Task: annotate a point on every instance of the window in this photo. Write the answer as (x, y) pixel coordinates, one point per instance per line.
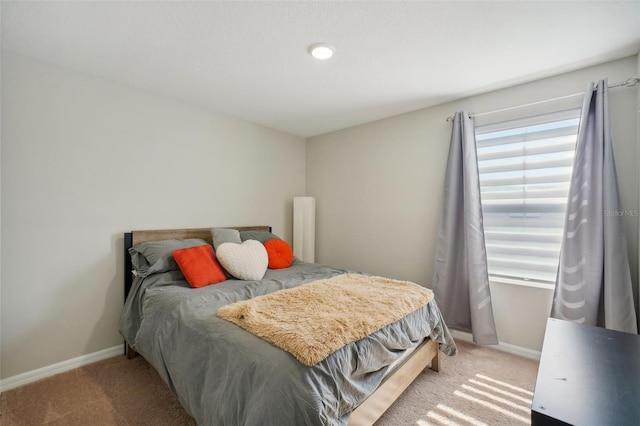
(525, 168)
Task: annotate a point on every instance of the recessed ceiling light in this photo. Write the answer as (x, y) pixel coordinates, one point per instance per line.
(321, 51)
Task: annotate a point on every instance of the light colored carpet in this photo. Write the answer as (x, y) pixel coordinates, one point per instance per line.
(479, 386)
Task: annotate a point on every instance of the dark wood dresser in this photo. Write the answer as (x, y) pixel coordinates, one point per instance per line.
(587, 376)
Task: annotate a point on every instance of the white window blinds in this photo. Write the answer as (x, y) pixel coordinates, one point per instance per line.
(525, 169)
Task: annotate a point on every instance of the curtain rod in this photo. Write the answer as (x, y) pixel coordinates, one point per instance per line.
(630, 82)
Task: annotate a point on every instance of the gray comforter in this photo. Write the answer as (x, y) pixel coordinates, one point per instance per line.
(224, 375)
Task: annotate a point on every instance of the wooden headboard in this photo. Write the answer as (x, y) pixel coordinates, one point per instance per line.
(135, 237)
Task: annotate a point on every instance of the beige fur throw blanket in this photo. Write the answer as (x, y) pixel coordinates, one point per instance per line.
(316, 319)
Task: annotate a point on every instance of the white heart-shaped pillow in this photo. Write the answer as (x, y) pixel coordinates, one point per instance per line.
(246, 261)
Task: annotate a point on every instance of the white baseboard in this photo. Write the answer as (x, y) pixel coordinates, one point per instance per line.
(61, 367)
(504, 347)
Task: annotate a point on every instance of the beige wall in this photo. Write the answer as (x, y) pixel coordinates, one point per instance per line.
(378, 188)
(84, 160)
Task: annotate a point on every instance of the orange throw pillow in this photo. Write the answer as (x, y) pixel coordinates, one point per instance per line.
(199, 265)
(280, 254)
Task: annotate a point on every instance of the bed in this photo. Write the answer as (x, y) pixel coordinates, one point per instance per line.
(222, 374)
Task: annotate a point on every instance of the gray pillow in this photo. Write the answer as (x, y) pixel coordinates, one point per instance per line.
(262, 236)
(224, 235)
(153, 257)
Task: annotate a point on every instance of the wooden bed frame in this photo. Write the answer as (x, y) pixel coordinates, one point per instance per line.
(426, 355)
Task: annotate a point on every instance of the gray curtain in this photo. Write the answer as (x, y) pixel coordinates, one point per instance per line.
(593, 284)
(460, 278)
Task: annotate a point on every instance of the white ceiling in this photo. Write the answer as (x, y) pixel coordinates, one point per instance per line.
(249, 59)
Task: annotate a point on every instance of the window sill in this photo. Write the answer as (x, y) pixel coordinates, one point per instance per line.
(523, 283)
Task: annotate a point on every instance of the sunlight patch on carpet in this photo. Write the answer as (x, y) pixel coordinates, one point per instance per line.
(481, 392)
(496, 399)
(507, 385)
(440, 420)
(455, 413)
(447, 421)
(494, 389)
(493, 407)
